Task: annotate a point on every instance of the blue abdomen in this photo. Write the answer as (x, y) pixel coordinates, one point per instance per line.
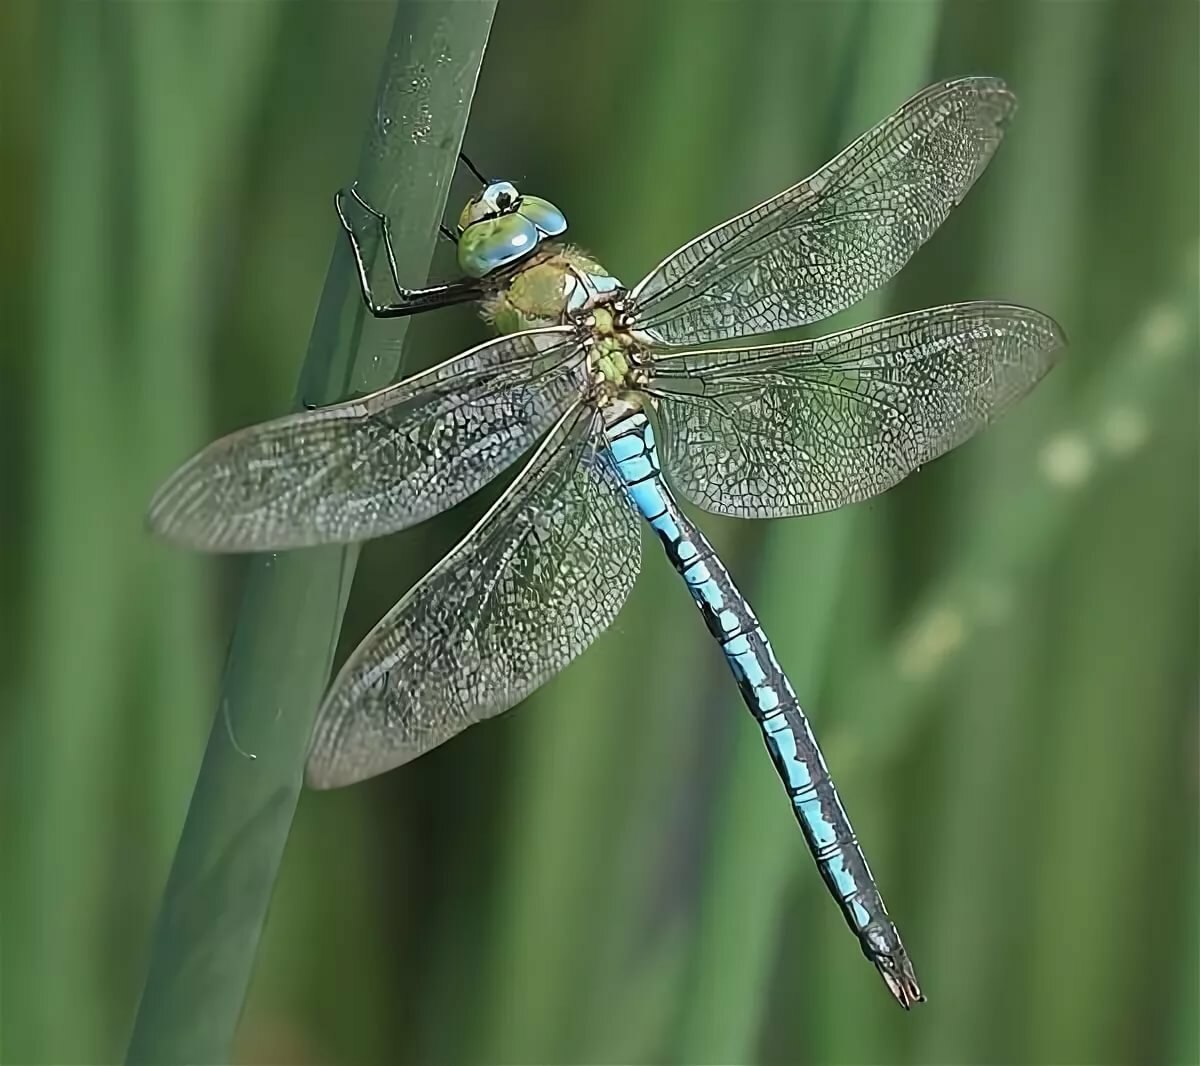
(769, 696)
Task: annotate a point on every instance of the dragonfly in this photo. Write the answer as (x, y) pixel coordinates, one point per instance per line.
(620, 402)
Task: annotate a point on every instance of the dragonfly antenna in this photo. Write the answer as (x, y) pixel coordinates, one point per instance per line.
(472, 167)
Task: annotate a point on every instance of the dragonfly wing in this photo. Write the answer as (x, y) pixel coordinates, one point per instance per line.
(527, 590)
(821, 245)
(374, 465)
(792, 429)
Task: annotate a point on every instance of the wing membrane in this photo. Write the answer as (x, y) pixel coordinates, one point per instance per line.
(792, 429)
(821, 245)
(366, 467)
(544, 572)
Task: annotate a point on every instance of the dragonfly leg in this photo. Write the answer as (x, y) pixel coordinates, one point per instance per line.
(410, 301)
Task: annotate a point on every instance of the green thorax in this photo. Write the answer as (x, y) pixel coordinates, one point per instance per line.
(609, 351)
(548, 288)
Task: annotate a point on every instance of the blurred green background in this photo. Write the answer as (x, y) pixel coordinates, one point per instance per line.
(1000, 656)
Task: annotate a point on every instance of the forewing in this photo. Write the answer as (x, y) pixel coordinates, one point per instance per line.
(793, 429)
(370, 466)
(544, 572)
(821, 245)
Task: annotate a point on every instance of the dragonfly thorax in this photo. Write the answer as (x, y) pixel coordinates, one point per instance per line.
(557, 285)
(561, 285)
(618, 373)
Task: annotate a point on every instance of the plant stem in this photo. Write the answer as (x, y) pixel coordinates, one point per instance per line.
(228, 857)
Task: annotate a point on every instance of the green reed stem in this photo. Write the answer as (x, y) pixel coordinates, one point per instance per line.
(228, 857)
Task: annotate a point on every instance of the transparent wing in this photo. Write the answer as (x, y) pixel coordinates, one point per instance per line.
(793, 429)
(821, 245)
(531, 586)
(370, 466)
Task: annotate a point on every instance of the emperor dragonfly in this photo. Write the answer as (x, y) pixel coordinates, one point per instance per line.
(585, 369)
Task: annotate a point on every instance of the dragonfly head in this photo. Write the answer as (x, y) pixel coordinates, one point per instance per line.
(499, 226)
